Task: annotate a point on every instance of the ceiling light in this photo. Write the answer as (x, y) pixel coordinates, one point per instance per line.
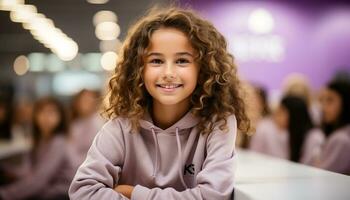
(97, 1)
(104, 16)
(109, 60)
(8, 5)
(21, 65)
(261, 21)
(23, 13)
(107, 31)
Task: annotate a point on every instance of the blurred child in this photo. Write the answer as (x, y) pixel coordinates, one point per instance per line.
(85, 123)
(335, 102)
(175, 108)
(296, 84)
(257, 110)
(6, 112)
(23, 120)
(50, 170)
(291, 135)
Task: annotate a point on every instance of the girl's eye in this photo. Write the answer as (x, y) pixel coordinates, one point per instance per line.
(182, 61)
(156, 61)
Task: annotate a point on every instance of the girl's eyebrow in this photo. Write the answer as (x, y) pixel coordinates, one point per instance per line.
(178, 54)
(184, 54)
(153, 54)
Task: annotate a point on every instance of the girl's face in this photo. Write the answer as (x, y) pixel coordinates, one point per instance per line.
(331, 104)
(281, 117)
(87, 104)
(170, 73)
(48, 118)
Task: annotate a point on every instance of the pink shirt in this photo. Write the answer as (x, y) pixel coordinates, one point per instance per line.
(50, 177)
(335, 155)
(272, 141)
(83, 132)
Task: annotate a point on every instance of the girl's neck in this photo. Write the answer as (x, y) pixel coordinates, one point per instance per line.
(165, 116)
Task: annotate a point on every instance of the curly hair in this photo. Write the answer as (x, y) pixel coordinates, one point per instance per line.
(217, 94)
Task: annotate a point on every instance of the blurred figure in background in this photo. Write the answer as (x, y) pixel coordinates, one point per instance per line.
(50, 169)
(257, 110)
(297, 84)
(86, 122)
(335, 101)
(6, 112)
(22, 123)
(6, 109)
(291, 135)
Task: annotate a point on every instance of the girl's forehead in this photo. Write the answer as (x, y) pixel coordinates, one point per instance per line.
(169, 39)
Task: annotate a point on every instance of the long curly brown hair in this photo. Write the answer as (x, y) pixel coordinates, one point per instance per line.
(217, 94)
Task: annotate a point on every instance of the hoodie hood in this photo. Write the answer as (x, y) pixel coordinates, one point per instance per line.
(186, 122)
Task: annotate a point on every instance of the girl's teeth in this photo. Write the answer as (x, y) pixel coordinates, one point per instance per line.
(169, 86)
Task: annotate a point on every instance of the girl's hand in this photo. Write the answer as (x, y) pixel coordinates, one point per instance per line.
(125, 190)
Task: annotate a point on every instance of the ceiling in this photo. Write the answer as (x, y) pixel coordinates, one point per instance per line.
(74, 18)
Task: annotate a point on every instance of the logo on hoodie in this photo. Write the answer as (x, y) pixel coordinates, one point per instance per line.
(189, 169)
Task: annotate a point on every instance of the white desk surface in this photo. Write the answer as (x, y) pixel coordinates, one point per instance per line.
(14, 147)
(260, 177)
(264, 177)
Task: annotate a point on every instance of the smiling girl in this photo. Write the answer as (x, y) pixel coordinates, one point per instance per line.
(175, 106)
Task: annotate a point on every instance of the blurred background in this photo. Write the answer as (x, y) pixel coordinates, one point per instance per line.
(291, 56)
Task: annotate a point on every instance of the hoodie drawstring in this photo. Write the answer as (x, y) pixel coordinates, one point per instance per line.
(179, 152)
(156, 147)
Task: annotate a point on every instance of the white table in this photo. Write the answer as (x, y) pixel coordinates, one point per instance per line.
(13, 148)
(263, 177)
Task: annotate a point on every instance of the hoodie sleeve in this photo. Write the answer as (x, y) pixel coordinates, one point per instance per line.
(214, 181)
(96, 177)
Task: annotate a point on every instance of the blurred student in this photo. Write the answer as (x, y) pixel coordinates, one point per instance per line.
(16, 129)
(50, 171)
(6, 111)
(291, 134)
(296, 84)
(335, 102)
(257, 110)
(85, 123)
(22, 123)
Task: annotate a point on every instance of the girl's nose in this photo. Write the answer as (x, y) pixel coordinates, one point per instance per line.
(169, 71)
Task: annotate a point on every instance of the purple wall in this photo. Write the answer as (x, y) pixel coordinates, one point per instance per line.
(316, 40)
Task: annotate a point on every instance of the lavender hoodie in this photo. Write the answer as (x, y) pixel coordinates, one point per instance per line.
(176, 163)
(270, 140)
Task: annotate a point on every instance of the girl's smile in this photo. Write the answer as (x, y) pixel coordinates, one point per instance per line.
(169, 87)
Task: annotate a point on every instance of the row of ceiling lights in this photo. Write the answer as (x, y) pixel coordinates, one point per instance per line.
(107, 30)
(42, 28)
